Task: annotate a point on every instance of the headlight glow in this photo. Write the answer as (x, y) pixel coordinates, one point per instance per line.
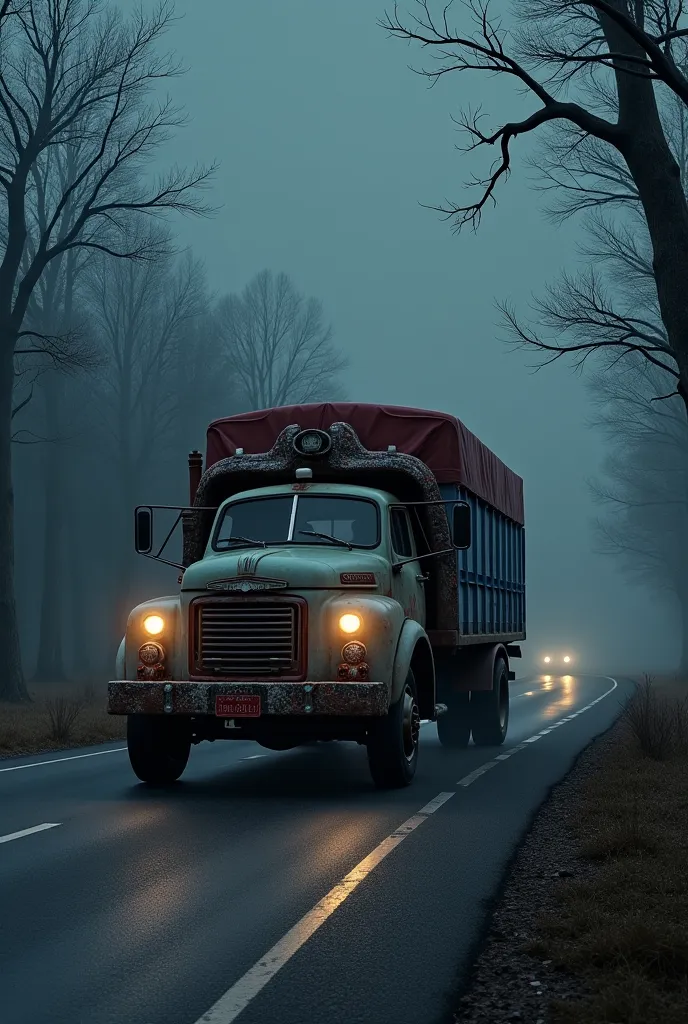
(154, 624)
(567, 659)
(349, 623)
(547, 660)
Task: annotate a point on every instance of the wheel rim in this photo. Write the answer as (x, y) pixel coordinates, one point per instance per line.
(410, 725)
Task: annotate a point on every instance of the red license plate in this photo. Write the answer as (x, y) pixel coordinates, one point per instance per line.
(238, 706)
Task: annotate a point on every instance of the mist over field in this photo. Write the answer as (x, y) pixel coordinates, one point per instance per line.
(326, 146)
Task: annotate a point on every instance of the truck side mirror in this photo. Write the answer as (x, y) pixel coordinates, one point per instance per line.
(143, 530)
(461, 525)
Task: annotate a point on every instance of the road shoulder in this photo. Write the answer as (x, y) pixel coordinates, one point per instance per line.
(590, 922)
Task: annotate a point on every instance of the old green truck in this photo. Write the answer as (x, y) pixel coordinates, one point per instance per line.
(348, 571)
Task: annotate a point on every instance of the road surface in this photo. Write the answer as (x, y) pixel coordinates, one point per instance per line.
(269, 887)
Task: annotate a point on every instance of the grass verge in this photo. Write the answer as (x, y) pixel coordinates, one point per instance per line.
(59, 718)
(622, 927)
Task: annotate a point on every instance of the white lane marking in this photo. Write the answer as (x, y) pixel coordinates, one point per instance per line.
(469, 779)
(58, 760)
(236, 999)
(29, 831)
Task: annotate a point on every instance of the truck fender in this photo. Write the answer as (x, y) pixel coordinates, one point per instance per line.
(120, 669)
(414, 651)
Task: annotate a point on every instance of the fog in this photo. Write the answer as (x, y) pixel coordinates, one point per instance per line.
(327, 145)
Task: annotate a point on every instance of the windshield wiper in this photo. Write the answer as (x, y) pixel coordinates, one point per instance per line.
(245, 540)
(327, 536)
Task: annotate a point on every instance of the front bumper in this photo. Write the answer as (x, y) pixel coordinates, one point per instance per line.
(126, 697)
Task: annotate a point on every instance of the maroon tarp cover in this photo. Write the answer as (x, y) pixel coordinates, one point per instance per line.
(442, 442)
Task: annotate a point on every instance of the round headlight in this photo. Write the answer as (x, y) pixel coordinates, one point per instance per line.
(151, 654)
(354, 653)
(567, 659)
(350, 623)
(547, 660)
(154, 624)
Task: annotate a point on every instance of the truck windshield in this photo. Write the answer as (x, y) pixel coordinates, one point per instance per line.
(279, 519)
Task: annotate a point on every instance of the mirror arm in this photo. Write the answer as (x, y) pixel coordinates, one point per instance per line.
(165, 561)
(397, 566)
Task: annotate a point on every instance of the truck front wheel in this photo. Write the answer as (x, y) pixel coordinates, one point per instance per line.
(393, 741)
(454, 726)
(158, 747)
(490, 709)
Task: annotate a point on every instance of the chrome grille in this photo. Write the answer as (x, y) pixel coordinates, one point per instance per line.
(242, 638)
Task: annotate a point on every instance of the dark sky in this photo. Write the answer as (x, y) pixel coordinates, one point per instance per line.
(328, 145)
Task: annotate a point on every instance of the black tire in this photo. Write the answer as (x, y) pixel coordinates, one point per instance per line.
(158, 747)
(393, 741)
(454, 726)
(490, 709)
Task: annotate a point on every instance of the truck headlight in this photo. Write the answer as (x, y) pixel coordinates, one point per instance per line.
(350, 623)
(154, 624)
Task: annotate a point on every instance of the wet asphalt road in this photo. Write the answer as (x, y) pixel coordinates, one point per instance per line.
(142, 907)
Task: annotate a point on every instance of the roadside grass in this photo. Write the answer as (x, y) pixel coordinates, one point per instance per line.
(622, 926)
(61, 716)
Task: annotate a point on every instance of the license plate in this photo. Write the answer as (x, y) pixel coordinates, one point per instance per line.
(241, 706)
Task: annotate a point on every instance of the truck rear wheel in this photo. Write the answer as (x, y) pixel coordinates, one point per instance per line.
(490, 709)
(158, 747)
(454, 726)
(393, 741)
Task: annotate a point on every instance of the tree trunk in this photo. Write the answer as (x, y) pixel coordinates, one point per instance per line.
(50, 663)
(657, 176)
(12, 685)
(683, 611)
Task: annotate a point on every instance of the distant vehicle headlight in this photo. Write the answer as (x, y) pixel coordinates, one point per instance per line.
(567, 658)
(154, 624)
(547, 659)
(350, 623)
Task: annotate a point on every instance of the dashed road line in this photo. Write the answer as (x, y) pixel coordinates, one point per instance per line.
(29, 831)
(468, 780)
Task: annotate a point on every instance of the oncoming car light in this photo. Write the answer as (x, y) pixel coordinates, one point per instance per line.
(154, 624)
(350, 623)
(567, 659)
(547, 659)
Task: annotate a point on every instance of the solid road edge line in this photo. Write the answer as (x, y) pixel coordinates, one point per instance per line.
(237, 998)
(58, 760)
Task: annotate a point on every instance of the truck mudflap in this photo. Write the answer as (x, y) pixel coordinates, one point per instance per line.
(175, 697)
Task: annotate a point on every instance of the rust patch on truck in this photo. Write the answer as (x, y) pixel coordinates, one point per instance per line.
(126, 697)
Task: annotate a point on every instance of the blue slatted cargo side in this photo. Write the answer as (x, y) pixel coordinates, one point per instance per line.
(491, 573)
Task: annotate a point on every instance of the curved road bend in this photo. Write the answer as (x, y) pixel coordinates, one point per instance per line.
(269, 887)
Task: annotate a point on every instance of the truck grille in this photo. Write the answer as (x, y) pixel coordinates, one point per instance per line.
(247, 639)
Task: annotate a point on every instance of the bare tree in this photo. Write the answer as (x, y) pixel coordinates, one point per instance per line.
(140, 313)
(644, 493)
(277, 345)
(74, 70)
(629, 50)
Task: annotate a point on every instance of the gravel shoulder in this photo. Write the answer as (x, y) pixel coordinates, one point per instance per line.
(592, 921)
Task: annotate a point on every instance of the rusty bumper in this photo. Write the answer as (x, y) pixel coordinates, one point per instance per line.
(175, 697)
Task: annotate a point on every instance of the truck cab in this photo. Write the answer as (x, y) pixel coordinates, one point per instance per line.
(317, 578)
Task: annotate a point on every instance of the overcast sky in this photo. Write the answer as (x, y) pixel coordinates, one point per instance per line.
(328, 144)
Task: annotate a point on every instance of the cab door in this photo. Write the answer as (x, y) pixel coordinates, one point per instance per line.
(408, 581)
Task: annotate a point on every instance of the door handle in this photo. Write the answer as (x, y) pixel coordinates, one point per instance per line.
(422, 579)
